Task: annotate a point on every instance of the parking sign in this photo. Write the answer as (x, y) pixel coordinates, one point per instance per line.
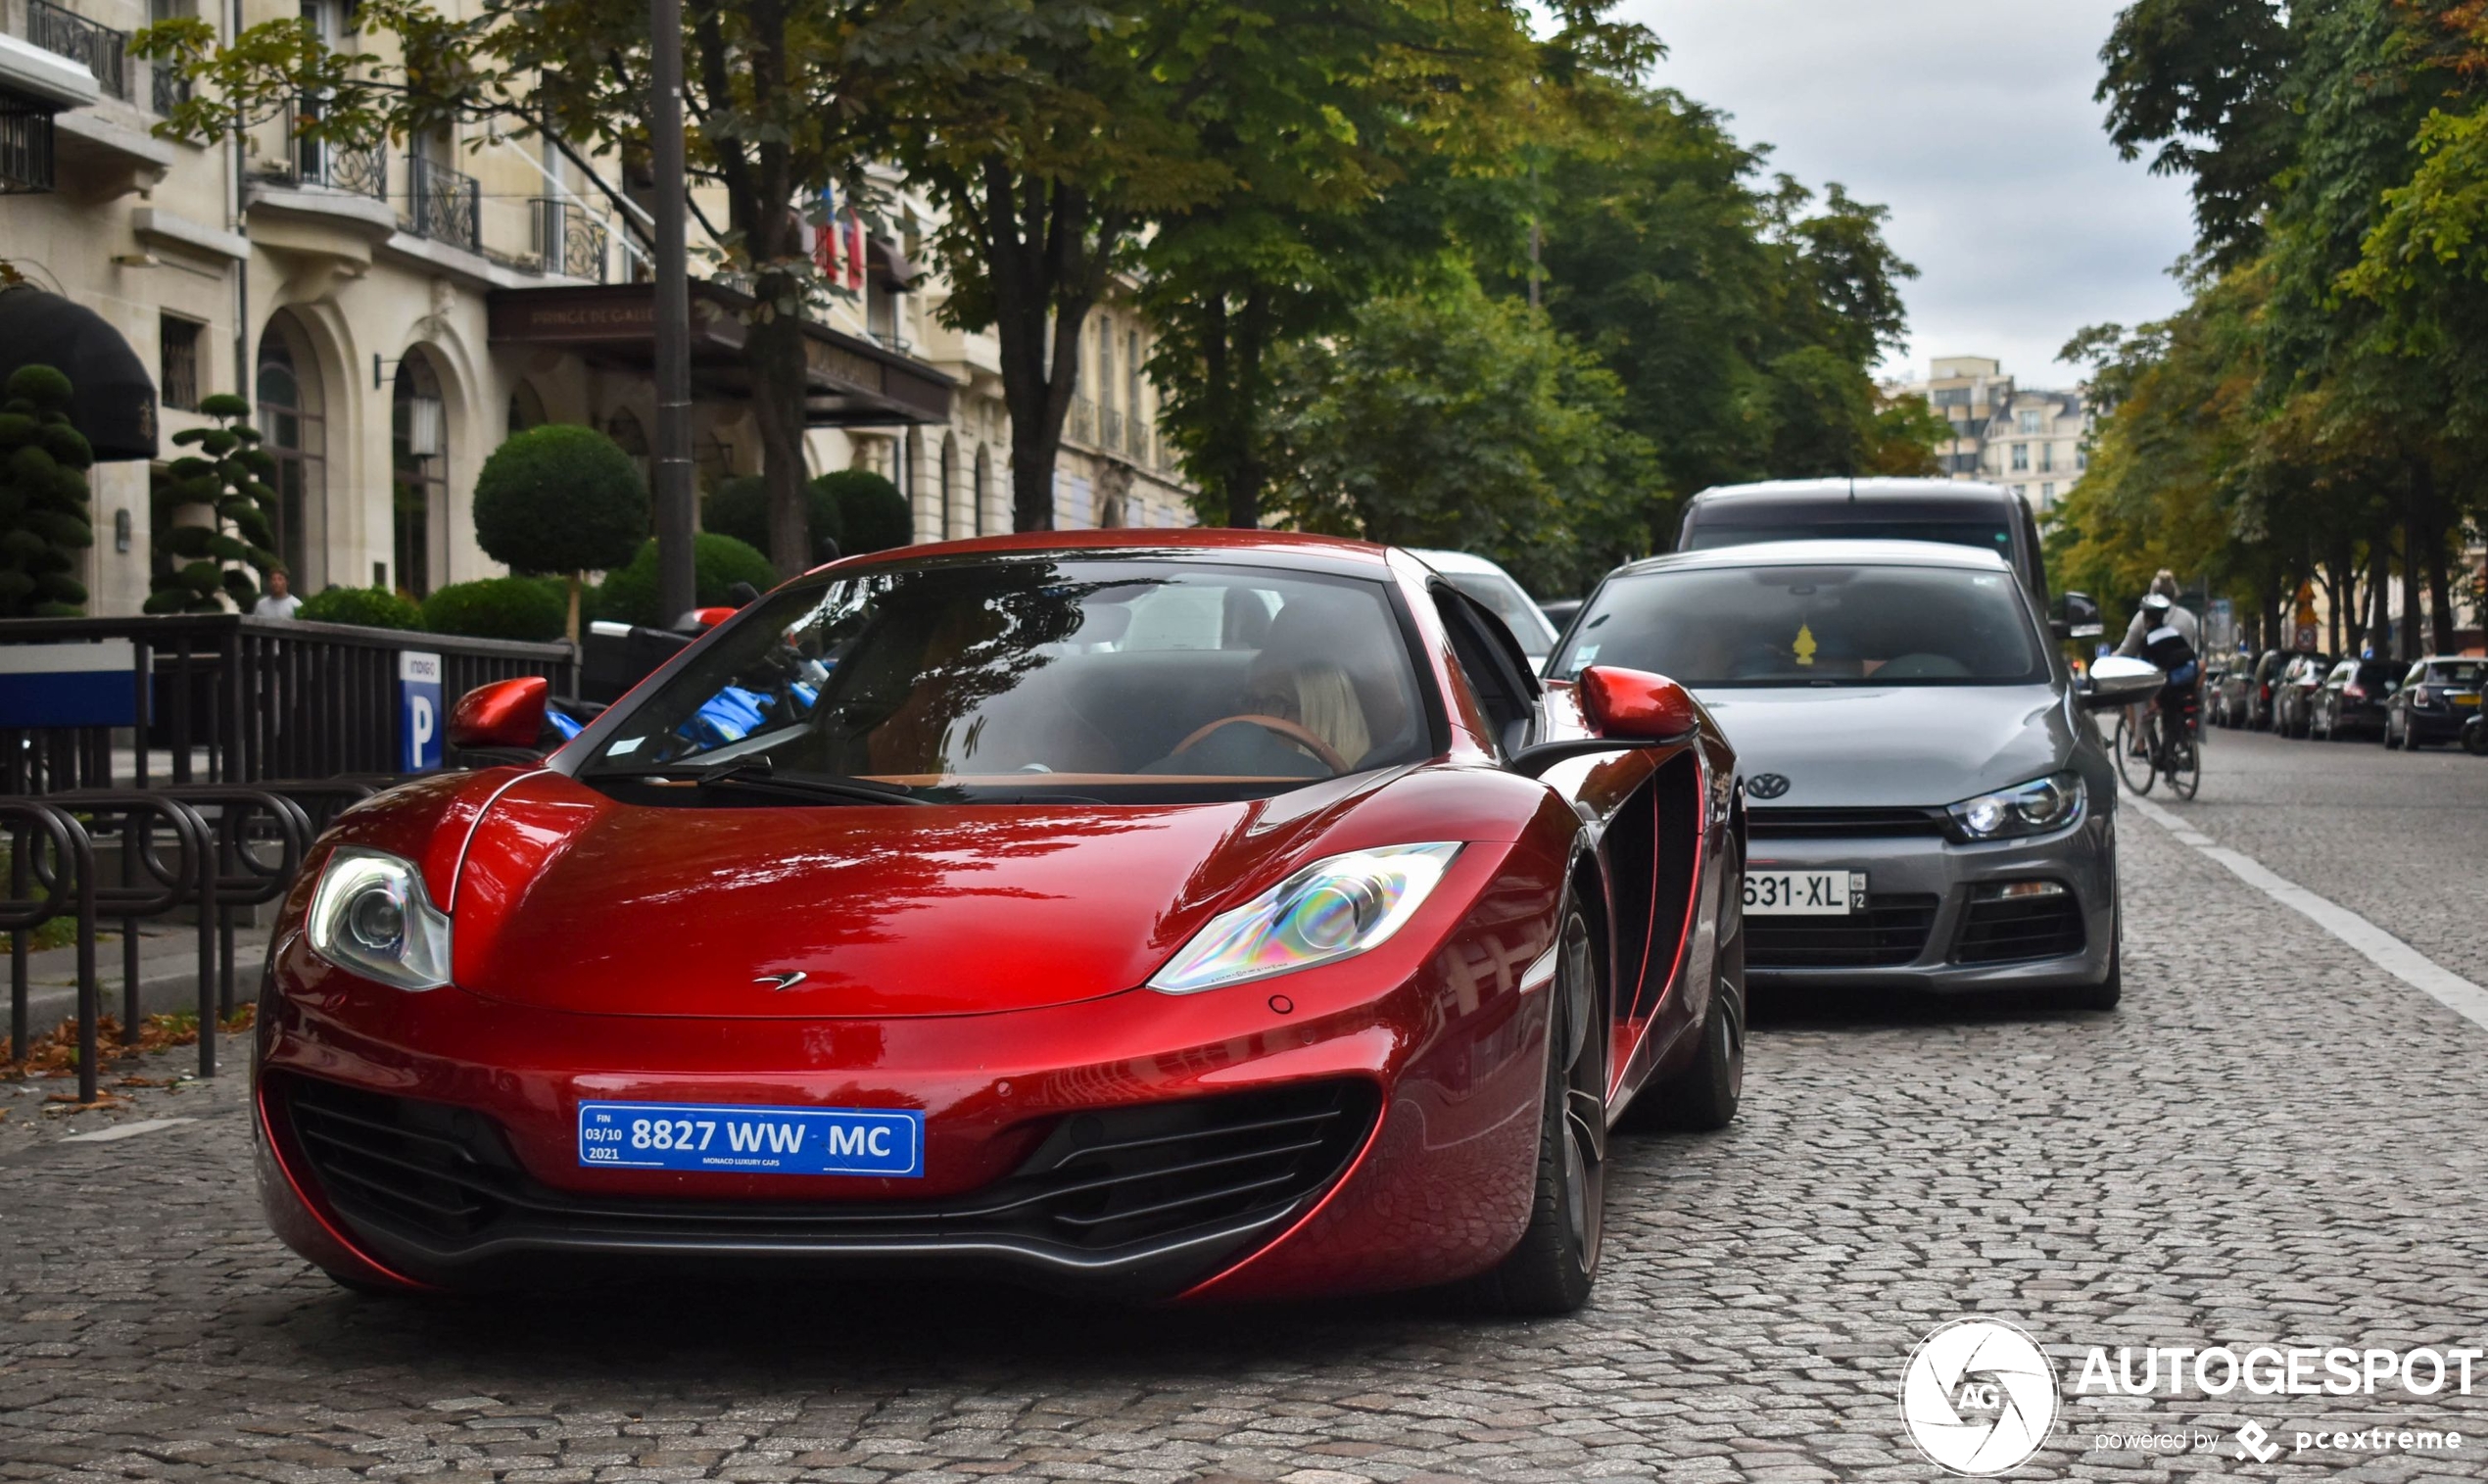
(419, 710)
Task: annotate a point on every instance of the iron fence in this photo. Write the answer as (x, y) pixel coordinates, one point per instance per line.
(97, 47)
(26, 149)
(447, 205)
(226, 699)
(568, 240)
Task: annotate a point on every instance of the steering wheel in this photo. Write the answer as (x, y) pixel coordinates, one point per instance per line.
(1289, 730)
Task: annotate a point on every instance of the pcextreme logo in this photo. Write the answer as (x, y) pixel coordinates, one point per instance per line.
(1978, 1397)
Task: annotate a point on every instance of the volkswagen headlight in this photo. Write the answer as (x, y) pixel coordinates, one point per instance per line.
(1332, 909)
(372, 917)
(2036, 807)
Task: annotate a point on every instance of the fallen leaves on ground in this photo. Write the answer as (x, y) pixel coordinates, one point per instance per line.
(56, 1054)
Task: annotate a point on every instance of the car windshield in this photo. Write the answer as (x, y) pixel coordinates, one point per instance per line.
(1511, 605)
(1814, 626)
(1019, 679)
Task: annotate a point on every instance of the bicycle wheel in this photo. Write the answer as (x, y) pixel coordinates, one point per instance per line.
(2136, 771)
(2183, 764)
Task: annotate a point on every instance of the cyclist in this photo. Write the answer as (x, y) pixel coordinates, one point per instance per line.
(2164, 633)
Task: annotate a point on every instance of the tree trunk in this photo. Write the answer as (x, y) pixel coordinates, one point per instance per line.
(2440, 598)
(773, 352)
(1047, 251)
(1251, 471)
(2414, 500)
(572, 629)
(2379, 605)
(2334, 600)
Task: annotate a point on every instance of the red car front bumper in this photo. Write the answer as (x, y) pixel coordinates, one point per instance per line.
(1380, 1132)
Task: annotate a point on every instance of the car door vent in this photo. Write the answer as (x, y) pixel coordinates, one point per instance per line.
(1892, 931)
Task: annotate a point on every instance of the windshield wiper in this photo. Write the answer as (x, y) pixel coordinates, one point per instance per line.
(760, 775)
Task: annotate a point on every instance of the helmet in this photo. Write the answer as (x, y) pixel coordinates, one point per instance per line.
(2155, 603)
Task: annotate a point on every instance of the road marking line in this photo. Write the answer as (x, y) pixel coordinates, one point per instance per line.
(2378, 946)
(125, 1130)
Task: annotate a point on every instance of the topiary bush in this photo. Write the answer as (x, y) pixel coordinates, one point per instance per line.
(371, 608)
(531, 608)
(740, 508)
(718, 562)
(562, 499)
(43, 524)
(873, 513)
(198, 565)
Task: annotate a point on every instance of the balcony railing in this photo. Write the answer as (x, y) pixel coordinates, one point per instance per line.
(102, 49)
(1081, 427)
(361, 170)
(1110, 429)
(569, 241)
(446, 204)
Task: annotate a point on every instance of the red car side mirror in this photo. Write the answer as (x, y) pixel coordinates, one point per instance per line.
(507, 713)
(1634, 704)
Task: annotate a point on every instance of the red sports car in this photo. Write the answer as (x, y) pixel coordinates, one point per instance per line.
(1197, 915)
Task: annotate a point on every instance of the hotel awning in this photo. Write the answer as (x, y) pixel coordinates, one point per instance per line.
(112, 398)
(850, 382)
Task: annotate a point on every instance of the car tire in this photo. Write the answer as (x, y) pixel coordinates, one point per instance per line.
(2105, 995)
(1556, 1261)
(1703, 1097)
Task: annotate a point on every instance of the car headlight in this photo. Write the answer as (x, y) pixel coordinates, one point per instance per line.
(1329, 910)
(2033, 808)
(371, 916)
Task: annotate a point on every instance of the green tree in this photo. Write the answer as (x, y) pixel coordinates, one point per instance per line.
(563, 500)
(718, 562)
(872, 510)
(43, 524)
(222, 548)
(531, 608)
(740, 508)
(368, 608)
(1463, 421)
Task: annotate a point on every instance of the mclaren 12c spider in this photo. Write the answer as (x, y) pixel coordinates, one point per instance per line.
(1192, 915)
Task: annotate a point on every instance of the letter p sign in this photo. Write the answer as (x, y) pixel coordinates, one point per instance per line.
(419, 712)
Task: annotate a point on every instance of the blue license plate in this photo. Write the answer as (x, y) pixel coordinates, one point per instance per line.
(746, 1140)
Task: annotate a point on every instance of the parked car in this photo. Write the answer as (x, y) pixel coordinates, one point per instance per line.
(2353, 698)
(1559, 611)
(2437, 698)
(2214, 691)
(1494, 587)
(1089, 910)
(1928, 805)
(2259, 695)
(2295, 692)
(1985, 518)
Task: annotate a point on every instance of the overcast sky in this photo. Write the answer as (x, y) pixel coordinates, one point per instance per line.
(1974, 124)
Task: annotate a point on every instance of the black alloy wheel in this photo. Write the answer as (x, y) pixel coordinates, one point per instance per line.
(1556, 1261)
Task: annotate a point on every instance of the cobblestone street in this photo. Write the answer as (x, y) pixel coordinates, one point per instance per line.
(2274, 1141)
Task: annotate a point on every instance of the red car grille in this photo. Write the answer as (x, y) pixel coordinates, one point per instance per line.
(1114, 1184)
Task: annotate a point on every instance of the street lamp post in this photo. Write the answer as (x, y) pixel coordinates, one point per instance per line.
(673, 309)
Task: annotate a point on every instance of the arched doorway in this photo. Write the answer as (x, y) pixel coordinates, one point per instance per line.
(623, 427)
(295, 434)
(418, 460)
(526, 409)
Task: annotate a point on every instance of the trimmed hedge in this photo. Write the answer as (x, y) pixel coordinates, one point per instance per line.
(740, 508)
(718, 562)
(371, 608)
(533, 608)
(559, 499)
(875, 514)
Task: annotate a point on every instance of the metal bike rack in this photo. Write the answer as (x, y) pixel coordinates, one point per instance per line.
(70, 879)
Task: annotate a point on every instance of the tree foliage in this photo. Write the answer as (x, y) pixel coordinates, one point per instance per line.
(1458, 421)
(43, 524)
(561, 500)
(215, 516)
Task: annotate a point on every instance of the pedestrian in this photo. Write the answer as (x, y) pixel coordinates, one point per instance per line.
(276, 601)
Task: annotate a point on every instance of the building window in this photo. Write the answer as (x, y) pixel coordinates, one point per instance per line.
(2046, 457)
(295, 434)
(2021, 457)
(2029, 422)
(2047, 494)
(177, 368)
(419, 455)
(2082, 458)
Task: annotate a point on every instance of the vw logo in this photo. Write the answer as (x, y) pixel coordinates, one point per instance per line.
(1767, 785)
(1978, 1397)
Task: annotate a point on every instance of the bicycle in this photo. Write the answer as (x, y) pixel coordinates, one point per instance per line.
(2141, 762)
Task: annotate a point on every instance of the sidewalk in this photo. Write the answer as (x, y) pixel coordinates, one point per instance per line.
(168, 973)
